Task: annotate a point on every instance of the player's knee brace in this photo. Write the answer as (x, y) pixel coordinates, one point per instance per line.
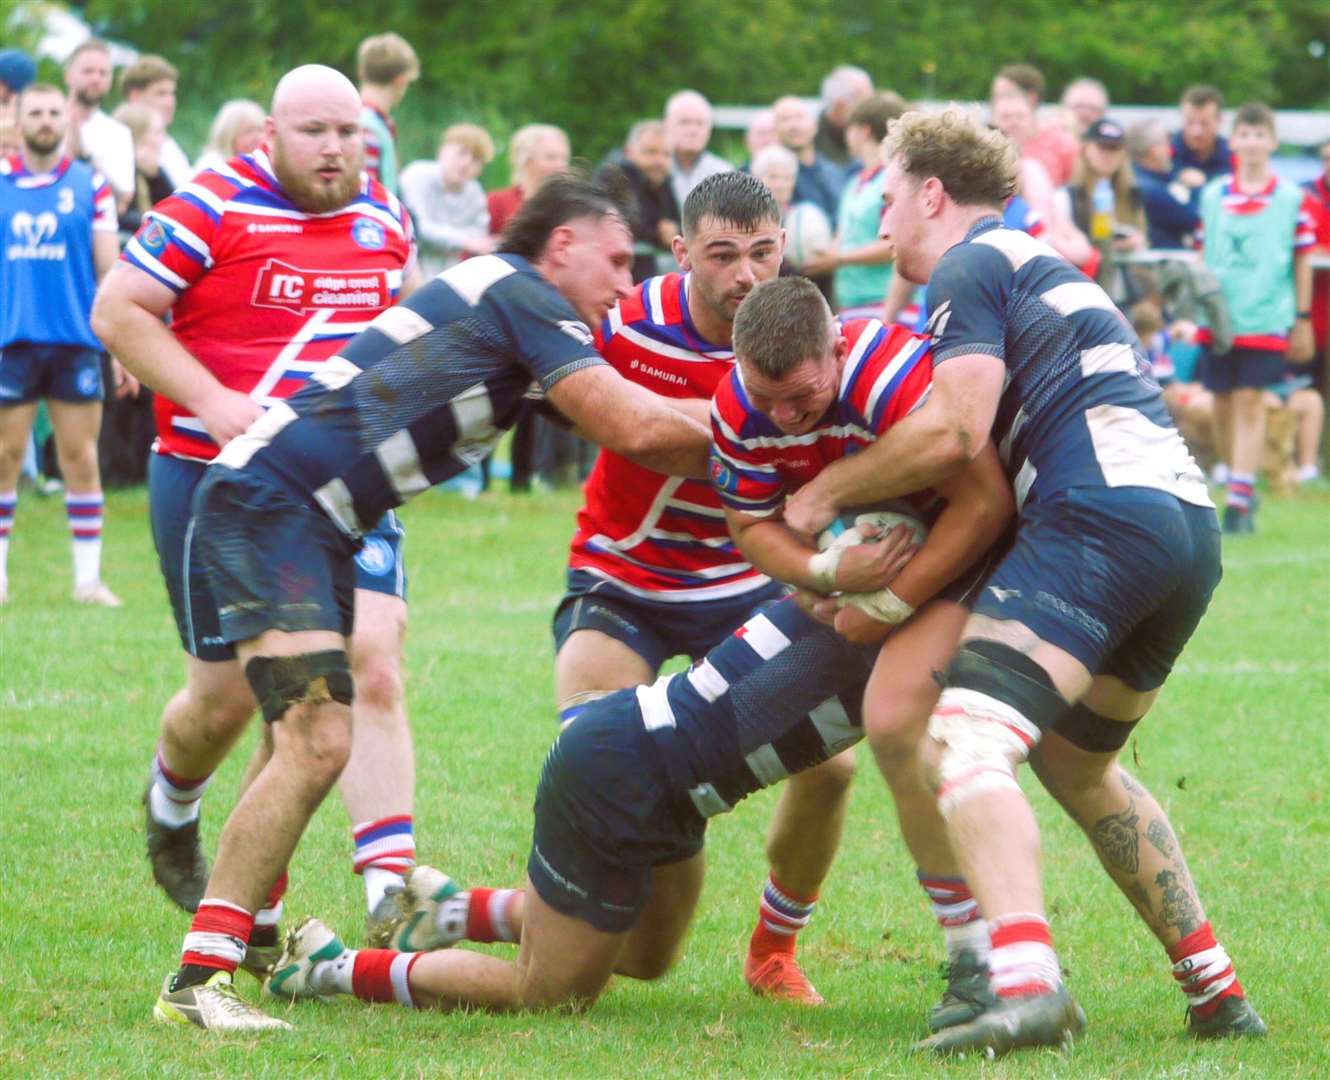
(996, 703)
(571, 707)
(1087, 730)
(282, 681)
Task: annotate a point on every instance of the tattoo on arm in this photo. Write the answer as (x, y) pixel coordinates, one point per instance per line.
(1131, 783)
(1116, 840)
(1179, 907)
(1161, 836)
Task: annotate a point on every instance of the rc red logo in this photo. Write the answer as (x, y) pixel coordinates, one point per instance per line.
(281, 285)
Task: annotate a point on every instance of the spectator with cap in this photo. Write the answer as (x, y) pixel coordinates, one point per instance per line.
(644, 164)
(1104, 202)
(842, 90)
(1084, 101)
(150, 81)
(1170, 216)
(688, 129)
(17, 70)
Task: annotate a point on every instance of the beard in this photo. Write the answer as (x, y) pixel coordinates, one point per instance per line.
(43, 142)
(88, 99)
(309, 191)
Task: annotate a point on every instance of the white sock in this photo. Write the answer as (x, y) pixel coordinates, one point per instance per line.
(87, 562)
(173, 815)
(1305, 474)
(377, 881)
(334, 976)
(972, 935)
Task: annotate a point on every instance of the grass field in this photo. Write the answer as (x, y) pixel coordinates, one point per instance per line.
(1238, 751)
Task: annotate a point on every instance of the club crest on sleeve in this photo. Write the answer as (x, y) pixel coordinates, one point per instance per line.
(155, 236)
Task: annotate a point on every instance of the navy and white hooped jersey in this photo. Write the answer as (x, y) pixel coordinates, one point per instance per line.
(420, 394)
(1079, 407)
(781, 694)
(47, 274)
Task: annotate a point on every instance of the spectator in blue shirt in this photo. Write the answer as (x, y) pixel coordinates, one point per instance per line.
(820, 180)
(1170, 211)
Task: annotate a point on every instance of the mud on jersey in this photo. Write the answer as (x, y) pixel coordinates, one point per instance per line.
(267, 292)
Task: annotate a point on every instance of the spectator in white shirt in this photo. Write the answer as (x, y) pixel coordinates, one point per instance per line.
(151, 81)
(93, 135)
(446, 200)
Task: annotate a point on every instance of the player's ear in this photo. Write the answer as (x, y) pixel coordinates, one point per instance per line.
(680, 250)
(556, 247)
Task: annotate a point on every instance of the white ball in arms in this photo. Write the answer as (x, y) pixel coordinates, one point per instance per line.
(847, 531)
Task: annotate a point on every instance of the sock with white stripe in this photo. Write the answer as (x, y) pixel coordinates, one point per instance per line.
(1022, 960)
(781, 914)
(8, 503)
(957, 912)
(383, 975)
(489, 915)
(85, 526)
(217, 938)
(1204, 972)
(1241, 488)
(173, 800)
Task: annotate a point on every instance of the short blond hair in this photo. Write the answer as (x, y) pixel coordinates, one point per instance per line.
(976, 165)
(384, 57)
(145, 71)
(524, 142)
(472, 138)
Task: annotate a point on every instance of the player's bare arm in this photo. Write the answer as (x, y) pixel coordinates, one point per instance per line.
(945, 435)
(780, 552)
(127, 317)
(622, 416)
(105, 251)
(1301, 341)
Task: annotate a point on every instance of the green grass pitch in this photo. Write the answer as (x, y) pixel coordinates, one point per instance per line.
(1238, 750)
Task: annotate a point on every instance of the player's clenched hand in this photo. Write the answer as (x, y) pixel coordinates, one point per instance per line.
(874, 565)
(822, 608)
(227, 413)
(808, 511)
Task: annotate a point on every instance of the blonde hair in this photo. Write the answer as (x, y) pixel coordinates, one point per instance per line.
(145, 71)
(1128, 207)
(524, 142)
(976, 165)
(226, 125)
(138, 118)
(472, 138)
(383, 57)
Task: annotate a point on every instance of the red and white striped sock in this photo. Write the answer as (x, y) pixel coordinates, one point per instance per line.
(781, 914)
(957, 912)
(1022, 960)
(383, 975)
(385, 851)
(1204, 972)
(217, 936)
(173, 799)
(489, 915)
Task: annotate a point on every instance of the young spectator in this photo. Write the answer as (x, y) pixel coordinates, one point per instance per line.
(93, 135)
(151, 81)
(820, 180)
(386, 66)
(1083, 102)
(645, 165)
(1051, 144)
(1104, 202)
(688, 129)
(236, 129)
(535, 152)
(1257, 231)
(842, 90)
(446, 200)
(151, 181)
(860, 262)
(1170, 216)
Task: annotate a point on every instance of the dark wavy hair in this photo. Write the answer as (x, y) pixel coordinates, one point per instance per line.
(564, 197)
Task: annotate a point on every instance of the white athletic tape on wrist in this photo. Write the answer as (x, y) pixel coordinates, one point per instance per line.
(983, 740)
(822, 568)
(884, 606)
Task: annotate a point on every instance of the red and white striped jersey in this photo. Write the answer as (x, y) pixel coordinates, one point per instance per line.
(267, 292)
(662, 538)
(754, 465)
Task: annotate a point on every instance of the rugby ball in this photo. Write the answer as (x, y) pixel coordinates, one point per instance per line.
(844, 532)
(807, 233)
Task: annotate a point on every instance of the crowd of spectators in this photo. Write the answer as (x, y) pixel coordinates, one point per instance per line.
(1123, 203)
